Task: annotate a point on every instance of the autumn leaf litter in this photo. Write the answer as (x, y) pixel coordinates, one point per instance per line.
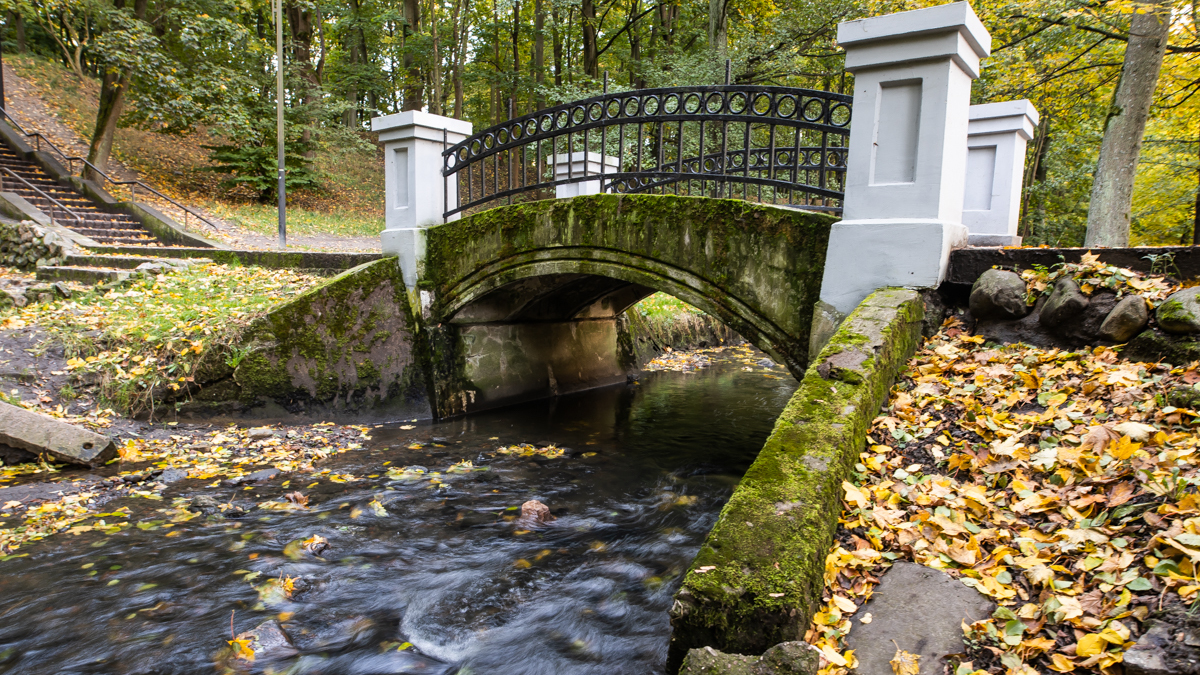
(1059, 484)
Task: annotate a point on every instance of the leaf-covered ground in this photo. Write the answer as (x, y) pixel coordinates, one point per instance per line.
(1060, 484)
(143, 340)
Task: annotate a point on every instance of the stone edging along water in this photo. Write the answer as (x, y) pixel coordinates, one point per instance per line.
(758, 577)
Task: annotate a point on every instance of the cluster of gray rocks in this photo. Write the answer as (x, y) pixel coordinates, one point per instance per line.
(26, 245)
(1069, 318)
(21, 291)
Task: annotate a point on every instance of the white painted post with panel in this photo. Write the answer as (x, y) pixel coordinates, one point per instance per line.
(996, 141)
(902, 213)
(576, 164)
(416, 194)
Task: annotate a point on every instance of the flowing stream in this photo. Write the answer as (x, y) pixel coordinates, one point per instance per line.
(420, 577)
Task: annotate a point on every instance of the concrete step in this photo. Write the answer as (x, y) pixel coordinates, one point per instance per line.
(126, 262)
(83, 275)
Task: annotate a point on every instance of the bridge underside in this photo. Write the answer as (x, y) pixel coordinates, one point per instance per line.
(525, 301)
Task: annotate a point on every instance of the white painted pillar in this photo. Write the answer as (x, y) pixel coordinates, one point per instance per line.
(908, 150)
(416, 194)
(576, 164)
(996, 141)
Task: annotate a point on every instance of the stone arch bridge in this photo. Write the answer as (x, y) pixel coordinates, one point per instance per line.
(524, 301)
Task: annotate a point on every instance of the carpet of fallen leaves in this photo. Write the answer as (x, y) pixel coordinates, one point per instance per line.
(1091, 274)
(232, 454)
(1060, 484)
(145, 338)
(694, 359)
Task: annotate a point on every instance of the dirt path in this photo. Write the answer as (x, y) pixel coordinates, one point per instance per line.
(34, 116)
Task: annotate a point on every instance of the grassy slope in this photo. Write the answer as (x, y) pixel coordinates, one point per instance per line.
(350, 204)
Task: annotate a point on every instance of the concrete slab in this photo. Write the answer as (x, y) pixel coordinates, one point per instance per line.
(922, 610)
(27, 430)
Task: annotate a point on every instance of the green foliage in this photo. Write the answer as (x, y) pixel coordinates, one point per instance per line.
(255, 166)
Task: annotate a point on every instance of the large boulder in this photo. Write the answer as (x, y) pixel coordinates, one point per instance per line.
(1126, 320)
(998, 294)
(1180, 313)
(786, 658)
(1066, 303)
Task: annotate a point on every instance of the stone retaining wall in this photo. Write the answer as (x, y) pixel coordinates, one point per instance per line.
(26, 245)
(758, 577)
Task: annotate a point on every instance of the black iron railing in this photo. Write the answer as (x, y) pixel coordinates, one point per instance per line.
(70, 161)
(769, 144)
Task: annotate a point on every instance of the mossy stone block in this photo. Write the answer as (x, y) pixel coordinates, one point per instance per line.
(1180, 313)
(758, 577)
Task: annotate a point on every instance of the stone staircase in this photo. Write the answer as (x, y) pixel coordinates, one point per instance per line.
(90, 268)
(113, 229)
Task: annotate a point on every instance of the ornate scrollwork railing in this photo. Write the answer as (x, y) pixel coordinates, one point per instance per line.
(769, 144)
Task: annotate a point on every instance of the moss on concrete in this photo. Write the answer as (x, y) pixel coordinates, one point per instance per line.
(755, 267)
(348, 344)
(758, 576)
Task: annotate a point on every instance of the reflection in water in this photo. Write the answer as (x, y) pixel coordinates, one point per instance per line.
(434, 561)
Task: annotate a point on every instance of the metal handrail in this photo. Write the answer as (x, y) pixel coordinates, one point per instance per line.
(52, 200)
(770, 144)
(133, 184)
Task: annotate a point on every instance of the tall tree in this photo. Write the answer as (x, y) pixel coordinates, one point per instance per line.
(1112, 186)
(413, 93)
(113, 85)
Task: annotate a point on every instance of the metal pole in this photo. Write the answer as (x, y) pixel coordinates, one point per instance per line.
(606, 81)
(279, 136)
(2, 100)
(728, 71)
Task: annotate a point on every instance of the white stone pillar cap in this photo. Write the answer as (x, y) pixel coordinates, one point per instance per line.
(1004, 117)
(419, 124)
(951, 30)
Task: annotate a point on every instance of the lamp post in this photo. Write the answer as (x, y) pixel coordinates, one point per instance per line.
(279, 131)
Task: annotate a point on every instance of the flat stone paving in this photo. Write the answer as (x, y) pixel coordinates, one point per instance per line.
(919, 608)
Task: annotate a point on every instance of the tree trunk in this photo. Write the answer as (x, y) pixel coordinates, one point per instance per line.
(412, 87)
(18, 23)
(591, 58)
(1112, 185)
(112, 98)
(300, 21)
(516, 47)
(463, 10)
(556, 34)
(718, 27)
(1196, 214)
(435, 101)
(539, 49)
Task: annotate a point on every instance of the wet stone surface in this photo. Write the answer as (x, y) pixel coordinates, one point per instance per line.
(407, 555)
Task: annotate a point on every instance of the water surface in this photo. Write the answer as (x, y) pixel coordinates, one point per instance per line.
(424, 573)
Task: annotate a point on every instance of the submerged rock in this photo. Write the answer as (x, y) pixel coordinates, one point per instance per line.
(534, 514)
(998, 294)
(268, 641)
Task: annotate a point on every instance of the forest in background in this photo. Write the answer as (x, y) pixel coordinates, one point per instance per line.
(205, 69)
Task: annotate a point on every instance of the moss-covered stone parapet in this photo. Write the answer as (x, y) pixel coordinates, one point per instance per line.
(755, 267)
(349, 344)
(758, 577)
